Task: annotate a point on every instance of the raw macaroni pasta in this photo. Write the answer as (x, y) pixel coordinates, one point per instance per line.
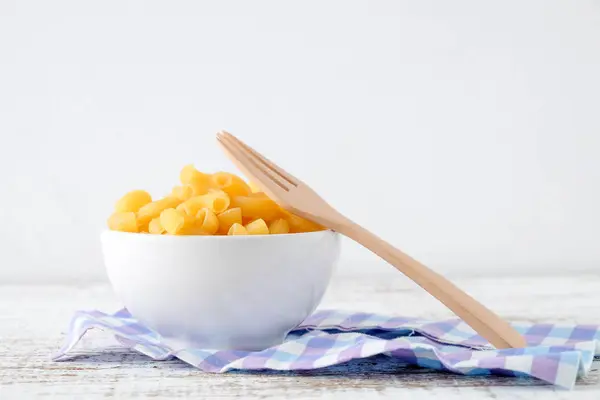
(206, 204)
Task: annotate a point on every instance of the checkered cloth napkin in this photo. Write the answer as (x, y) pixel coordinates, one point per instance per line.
(556, 354)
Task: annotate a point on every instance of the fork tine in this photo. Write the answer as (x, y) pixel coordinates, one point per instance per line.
(251, 158)
(249, 167)
(280, 171)
(241, 161)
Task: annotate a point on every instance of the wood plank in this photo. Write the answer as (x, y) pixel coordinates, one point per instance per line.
(33, 320)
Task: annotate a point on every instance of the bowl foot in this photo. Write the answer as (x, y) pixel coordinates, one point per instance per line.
(225, 342)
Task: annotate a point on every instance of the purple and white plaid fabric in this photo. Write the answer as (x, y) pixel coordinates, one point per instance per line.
(556, 354)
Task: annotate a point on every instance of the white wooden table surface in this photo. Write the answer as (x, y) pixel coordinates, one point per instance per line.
(33, 320)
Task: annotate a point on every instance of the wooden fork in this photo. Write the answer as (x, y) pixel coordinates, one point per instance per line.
(295, 196)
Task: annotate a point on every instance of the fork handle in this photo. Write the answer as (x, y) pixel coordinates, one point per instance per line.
(486, 323)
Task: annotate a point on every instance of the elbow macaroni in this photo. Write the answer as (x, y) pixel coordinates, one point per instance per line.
(206, 222)
(228, 218)
(123, 221)
(229, 183)
(257, 206)
(198, 181)
(155, 227)
(206, 204)
(133, 201)
(279, 226)
(236, 230)
(152, 210)
(183, 193)
(216, 200)
(257, 227)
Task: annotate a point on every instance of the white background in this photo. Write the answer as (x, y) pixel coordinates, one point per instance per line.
(465, 132)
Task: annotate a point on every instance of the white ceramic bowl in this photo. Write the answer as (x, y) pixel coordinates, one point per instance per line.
(220, 292)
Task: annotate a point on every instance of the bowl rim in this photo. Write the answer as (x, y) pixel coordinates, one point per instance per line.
(144, 236)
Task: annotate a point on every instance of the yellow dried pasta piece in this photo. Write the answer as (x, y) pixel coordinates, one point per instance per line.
(133, 201)
(199, 181)
(217, 201)
(228, 218)
(174, 222)
(279, 226)
(183, 193)
(299, 224)
(206, 223)
(237, 229)
(258, 227)
(253, 187)
(155, 227)
(259, 194)
(123, 221)
(231, 184)
(257, 207)
(247, 220)
(221, 200)
(152, 210)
